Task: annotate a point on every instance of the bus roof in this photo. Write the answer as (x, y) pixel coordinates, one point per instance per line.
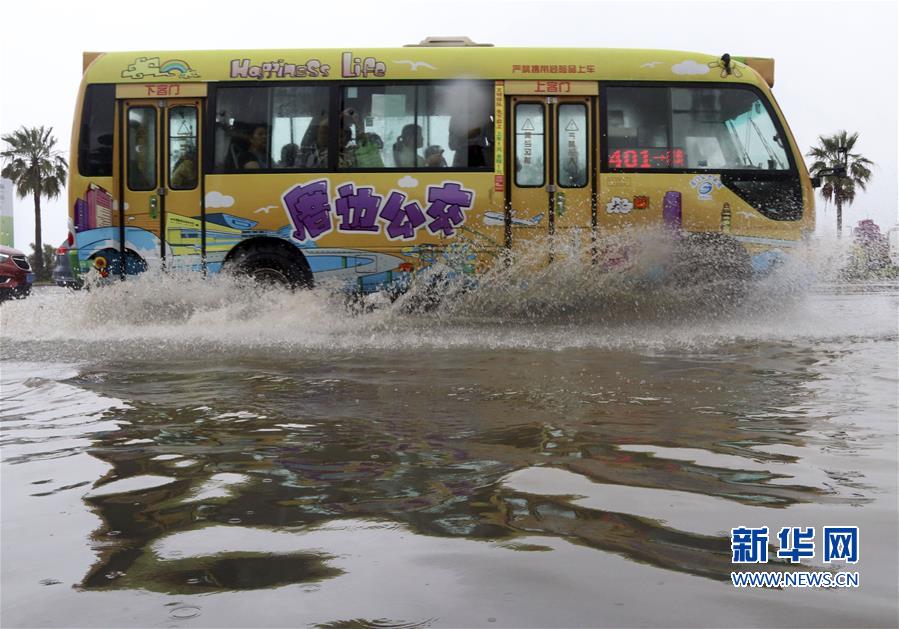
(424, 62)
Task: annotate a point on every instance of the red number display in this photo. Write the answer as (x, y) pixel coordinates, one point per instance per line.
(615, 159)
(630, 159)
(640, 158)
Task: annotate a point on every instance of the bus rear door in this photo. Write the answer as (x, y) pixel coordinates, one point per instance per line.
(159, 180)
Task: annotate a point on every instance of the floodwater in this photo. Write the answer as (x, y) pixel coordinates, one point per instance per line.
(180, 452)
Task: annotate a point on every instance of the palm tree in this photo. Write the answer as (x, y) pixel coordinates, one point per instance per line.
(836, 150)
(37, 168)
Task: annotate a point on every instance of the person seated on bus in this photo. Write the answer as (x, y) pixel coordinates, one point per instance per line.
(470, 141)
(139, 157)
(309, 142)
(364, 153)
(256, 154)
(184, 173)
(367, 151)
(434, 156)
(290, 156)
(318, 156)
(237, 146)
(405, 150)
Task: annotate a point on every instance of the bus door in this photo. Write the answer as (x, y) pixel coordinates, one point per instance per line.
(552, 181)
(160, 183)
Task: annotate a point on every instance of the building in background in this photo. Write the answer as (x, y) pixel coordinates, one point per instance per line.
(893, 237)
(869, 258)
(7, 190)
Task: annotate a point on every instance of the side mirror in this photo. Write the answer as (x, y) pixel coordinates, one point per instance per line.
(836, 171)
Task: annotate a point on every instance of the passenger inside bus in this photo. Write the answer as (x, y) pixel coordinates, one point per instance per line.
(184, 172)
(405, 150)
(318, 157)
(256, 154)
(139, 157)
(434, 156)
(364, 152)
(290, 156)
(471, 141)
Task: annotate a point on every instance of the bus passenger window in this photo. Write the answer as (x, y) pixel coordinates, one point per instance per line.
(529, 145)
(469, 105)
(572, 149)
(142, 148)
(372, 120)
(183, 148)
(297, 138)
(270, 128)
(95, 138)
(439, 125)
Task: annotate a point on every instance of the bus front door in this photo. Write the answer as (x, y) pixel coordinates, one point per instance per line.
(160, 184)
(553, 177)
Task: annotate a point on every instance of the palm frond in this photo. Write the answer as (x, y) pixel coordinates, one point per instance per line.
(827, 154)
(33, 163)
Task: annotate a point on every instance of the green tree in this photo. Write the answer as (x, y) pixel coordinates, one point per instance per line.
(47, 264)
(832, 151)
(35, 167)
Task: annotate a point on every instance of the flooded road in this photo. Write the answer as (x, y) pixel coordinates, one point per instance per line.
(189, 454)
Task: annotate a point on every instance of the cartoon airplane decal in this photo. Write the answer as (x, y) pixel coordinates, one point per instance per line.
(495, 219)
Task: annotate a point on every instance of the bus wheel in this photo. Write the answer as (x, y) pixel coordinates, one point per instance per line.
(712, 270)
(108, 263)
(272, 266)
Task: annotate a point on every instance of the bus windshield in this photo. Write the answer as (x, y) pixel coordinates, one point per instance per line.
(717, 128)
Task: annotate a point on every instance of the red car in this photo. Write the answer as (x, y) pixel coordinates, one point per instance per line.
(15, 273)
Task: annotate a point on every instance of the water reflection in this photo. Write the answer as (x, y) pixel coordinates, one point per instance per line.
(441, 444)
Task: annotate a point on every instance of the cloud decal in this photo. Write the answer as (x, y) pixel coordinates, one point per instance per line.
(408, 182)
(690, 67)
(216, 199)
(619, 205)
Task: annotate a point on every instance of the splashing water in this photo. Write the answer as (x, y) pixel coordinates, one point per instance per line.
(625, 291)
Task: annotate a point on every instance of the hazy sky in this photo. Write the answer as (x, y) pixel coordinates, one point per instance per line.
(836, 61)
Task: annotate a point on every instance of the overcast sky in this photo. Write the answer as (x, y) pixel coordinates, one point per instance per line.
(836, 61)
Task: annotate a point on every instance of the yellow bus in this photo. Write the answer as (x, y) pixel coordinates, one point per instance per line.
(368, 165)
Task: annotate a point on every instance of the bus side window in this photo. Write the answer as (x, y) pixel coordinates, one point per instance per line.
(271, 128)
(297, 112)
(142, 148)
(183, 148)
(469, 109)
(529, 145)
(432, 126)
(96, 137)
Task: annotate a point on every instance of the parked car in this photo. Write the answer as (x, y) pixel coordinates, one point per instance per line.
(62, 268)
(15, 274)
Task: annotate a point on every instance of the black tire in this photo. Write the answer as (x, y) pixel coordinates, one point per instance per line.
(272, 266)
(712, 270)
(14, 293)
